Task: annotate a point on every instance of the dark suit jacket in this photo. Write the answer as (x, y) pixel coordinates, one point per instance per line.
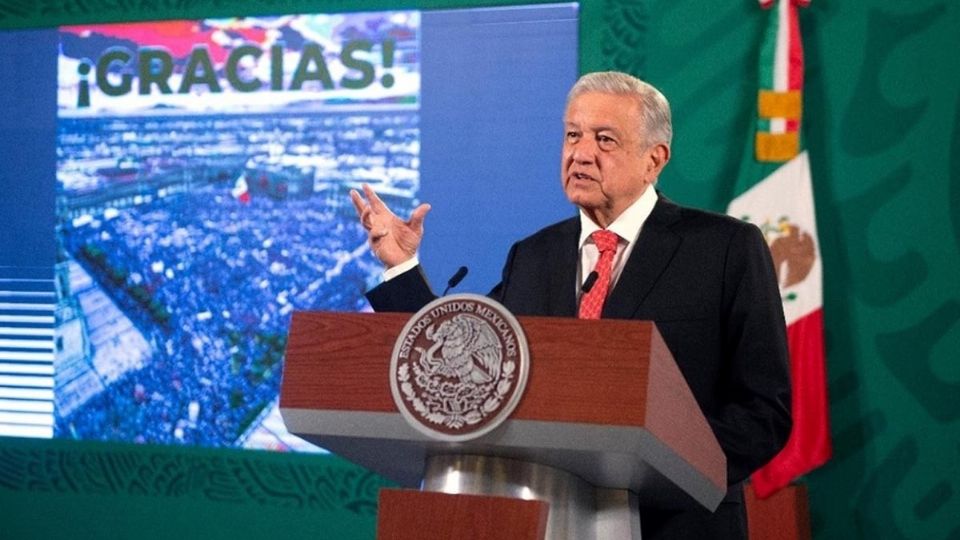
(708, 282)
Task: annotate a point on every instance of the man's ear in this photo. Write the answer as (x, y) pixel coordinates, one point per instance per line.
(659, 156)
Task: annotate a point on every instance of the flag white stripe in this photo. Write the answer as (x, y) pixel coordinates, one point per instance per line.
(781, 66)
(788, 192)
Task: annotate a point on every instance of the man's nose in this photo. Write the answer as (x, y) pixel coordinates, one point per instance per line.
(583, 151)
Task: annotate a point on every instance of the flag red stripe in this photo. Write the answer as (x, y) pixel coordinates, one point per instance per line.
(794, 58)
(809, 444)
(794, 50)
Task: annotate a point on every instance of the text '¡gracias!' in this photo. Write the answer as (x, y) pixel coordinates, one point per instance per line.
(154, 67)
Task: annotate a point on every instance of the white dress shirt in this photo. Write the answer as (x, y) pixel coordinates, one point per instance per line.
(627, 226)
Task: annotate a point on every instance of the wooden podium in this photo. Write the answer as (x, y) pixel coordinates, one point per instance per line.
(600, 430)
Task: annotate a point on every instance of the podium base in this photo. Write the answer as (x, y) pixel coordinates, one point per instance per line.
(406, 514)
(578, 510)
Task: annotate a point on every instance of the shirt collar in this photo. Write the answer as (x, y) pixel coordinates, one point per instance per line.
(628, 224)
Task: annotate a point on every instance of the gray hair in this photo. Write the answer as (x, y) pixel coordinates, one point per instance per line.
(654, 107)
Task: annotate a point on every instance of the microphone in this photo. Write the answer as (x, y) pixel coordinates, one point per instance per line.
(455, 279)
(589, 282)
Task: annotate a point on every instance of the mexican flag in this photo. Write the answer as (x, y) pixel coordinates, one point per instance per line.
(241, 191)
(774, 191)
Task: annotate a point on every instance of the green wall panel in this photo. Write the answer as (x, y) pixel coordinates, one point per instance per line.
(69, 489)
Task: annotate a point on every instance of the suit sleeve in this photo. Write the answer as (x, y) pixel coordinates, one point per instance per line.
(407, 292)
(410, 291)
(754, 422)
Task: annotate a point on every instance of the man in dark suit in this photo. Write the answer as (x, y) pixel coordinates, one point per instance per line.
(707, 280)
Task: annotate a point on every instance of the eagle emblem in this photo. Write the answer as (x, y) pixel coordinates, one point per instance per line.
(459, 367)
(793, 251)
(468, 347)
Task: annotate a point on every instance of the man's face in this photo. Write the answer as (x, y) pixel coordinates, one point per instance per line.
(606, 166)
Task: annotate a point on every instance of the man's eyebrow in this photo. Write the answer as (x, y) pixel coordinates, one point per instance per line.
(591, 128)
(604, 128)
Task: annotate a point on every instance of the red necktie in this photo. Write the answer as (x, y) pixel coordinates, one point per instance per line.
(591, 305)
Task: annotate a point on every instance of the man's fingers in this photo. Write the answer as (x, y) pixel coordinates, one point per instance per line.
(416, 218)
(357, 202)
(363, 210)
(375, 203)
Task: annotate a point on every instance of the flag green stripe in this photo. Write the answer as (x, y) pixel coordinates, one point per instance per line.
(768, 50)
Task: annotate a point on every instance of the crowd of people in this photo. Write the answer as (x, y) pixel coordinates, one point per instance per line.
(210, 281)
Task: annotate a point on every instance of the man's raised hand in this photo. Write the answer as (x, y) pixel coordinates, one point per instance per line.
(392, 239)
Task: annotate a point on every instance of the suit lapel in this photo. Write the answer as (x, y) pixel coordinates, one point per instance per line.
(650, 257)
(563, 292)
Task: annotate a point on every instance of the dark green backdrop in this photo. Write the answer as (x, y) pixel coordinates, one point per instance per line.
(882, 120)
